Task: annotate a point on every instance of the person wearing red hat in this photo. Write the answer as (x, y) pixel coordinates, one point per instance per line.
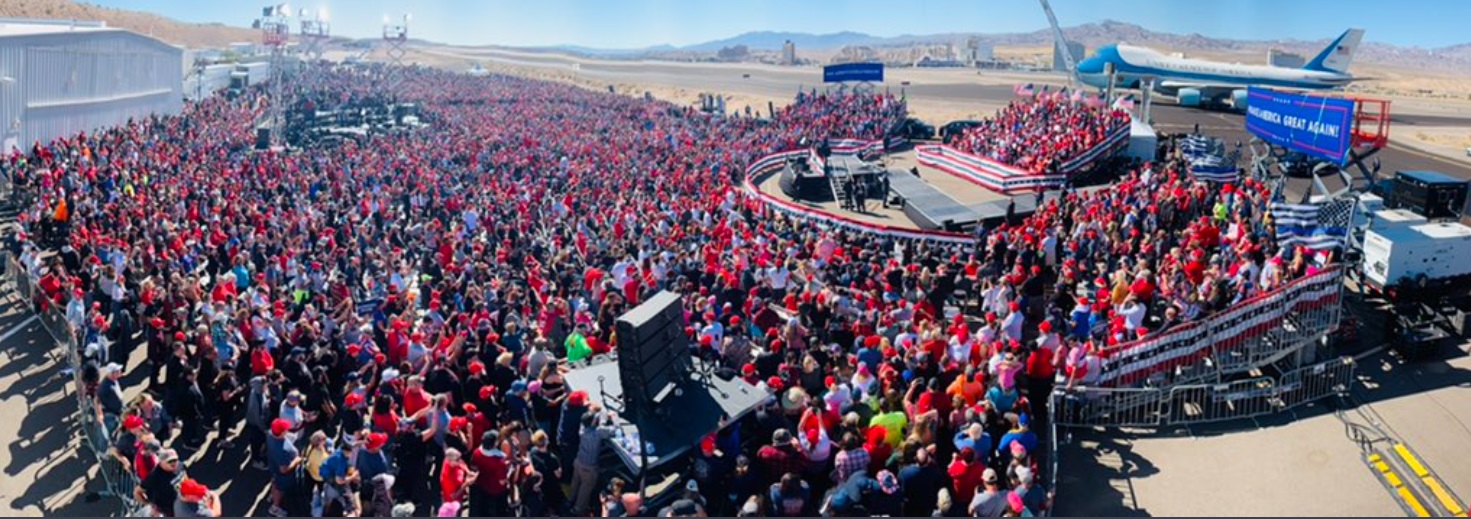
(1011, 326)
(748, 374)
(282, 460)
(371, 463)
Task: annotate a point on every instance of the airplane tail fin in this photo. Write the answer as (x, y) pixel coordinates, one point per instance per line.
(1339, 54)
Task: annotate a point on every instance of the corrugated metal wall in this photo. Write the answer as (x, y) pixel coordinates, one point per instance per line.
(12, 98)
(213, 79)
(76, 82)
(257, 73)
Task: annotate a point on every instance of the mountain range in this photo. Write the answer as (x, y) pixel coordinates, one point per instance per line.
(1450, 58)
(1454, 58)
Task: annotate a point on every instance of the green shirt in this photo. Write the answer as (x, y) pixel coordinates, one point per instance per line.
(577, 348)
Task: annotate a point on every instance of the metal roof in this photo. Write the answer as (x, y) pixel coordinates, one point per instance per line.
(10, 27)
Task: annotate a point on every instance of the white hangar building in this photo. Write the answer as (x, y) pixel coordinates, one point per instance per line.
(62, 77)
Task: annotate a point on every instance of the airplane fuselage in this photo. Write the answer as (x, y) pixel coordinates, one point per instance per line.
(1134, 65)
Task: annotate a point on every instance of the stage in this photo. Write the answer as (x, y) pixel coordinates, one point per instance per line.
(934, 198)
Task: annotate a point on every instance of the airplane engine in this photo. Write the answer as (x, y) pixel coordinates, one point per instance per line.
(1188, 97)
(1238, 100)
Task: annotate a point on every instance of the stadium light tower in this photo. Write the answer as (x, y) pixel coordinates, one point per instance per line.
(315, 31)
(275, 27)
(395, 39)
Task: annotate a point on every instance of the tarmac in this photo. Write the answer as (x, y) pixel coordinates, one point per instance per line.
(1303, 463)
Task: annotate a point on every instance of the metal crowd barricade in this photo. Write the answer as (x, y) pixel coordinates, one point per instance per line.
(1190, 404)
(1261, 330)
(1201, 403)
(117, 479)
(1108, 407)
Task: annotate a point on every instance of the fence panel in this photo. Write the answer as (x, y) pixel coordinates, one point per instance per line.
(118, 481)
(1201, 403)
(1109, 407)
(1218, 402)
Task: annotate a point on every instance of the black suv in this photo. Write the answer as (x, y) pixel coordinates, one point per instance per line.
(953, 129)
(915, 130)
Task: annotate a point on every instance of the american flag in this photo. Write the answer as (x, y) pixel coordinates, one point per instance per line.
(1124, 103)
(1024, 90)
(1315, 226)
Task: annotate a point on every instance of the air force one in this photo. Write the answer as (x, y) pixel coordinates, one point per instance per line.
(1196, 82)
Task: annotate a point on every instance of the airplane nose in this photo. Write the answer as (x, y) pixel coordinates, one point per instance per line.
(1091, 66)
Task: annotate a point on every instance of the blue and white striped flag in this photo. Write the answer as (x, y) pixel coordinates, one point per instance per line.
(1300, 224)
(1196, 146)
(1214, 168)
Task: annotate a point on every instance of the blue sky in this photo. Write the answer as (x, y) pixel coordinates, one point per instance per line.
(641, 23)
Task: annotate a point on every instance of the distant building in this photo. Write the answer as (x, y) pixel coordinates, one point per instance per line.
(977, 52)
(789, 53)
(243, 48)
(928, 61)
(1074, 48)
(62, 78)
(1281, 58)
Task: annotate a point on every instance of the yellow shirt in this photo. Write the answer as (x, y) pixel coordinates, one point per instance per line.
(314, 458)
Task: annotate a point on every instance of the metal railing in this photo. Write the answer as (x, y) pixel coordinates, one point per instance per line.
(97, 434)
(1256, 332)
(1201, 403)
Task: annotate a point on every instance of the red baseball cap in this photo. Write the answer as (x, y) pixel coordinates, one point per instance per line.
(193, 489)
(133, 422)
(280, 426)
(377, 441)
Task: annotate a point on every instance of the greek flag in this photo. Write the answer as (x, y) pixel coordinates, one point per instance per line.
(1214, 168)
(1299, 224)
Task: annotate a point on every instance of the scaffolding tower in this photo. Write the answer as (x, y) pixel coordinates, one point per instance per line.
(395, 41)
(275, 28)
(315, 32)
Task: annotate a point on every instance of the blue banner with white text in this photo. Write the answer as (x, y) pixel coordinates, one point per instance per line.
(853, 72)
(1314, 125)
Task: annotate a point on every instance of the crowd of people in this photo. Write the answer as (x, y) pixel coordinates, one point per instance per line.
(387, 324)
(1039, 134)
